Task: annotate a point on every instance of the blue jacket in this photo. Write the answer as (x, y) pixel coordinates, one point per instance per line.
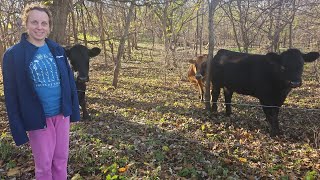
(24, 109)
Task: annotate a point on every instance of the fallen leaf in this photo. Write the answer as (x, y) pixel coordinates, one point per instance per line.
(227, 161)
(14, 171)
(76, 177)
(165, 148)
(203, 127)
(122, 169)
(243, 160)
(28, 169)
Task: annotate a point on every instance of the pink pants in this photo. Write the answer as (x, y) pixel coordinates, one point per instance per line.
(50, 148)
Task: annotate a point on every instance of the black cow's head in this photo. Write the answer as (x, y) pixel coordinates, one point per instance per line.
(79, 57)
(289, 65)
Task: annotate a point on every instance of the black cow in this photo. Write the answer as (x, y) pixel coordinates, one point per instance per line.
(267, 77)
(79, 57)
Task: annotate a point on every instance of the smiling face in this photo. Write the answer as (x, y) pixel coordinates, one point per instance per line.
(38, 27)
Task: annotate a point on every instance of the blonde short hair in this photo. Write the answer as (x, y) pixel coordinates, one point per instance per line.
(36, 6)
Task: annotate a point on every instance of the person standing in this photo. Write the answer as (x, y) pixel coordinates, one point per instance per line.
(40, 94)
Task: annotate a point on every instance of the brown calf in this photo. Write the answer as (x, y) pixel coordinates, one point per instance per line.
(195, 80)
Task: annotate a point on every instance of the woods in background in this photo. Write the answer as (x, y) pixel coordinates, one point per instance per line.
(243, 25)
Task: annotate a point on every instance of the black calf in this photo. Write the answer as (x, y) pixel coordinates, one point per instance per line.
(79, 57)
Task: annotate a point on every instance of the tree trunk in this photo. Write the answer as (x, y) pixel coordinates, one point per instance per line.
(166, 38)
(60, 10)
(134, 37)
(121, 47)
(291, 25)
(231, 17)
(99, 11)
(130, 43)
(74, 27)
(201, 27)
(197, 33)
(84, 31)
(212, 6)
(243, 25)
(278, 27)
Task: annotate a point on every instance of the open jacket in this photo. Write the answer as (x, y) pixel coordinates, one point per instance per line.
(24, 109)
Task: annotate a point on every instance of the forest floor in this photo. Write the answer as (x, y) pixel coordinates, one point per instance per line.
(153, 126)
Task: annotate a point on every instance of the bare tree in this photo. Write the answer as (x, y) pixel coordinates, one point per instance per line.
(199, 28)
(246, 19)
(121, 46)
(173, 17)
(74, 27)
(291, 24)
(10, 24)
(99, 14)
(239, 23)
(281, 14)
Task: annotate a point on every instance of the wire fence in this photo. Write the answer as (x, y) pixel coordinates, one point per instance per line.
(259, 105)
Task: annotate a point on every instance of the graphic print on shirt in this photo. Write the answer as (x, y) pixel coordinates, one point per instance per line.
(44, 71)
(46, 80)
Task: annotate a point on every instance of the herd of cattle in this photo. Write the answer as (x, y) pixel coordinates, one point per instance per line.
(269, 77)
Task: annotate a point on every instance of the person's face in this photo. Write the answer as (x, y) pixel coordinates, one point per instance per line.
(38, 27)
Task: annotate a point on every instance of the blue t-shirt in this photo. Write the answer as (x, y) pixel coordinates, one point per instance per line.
(45, 76)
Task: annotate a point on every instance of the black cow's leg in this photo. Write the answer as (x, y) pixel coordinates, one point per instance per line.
(227, 99)
(81, 87)
(272, 118)
(82, 102)
(215, 95)
(275, 123)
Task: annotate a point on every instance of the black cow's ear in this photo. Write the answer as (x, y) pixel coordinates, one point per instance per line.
(275, 60)
(67, 50)
(310, 57)
(94, 52)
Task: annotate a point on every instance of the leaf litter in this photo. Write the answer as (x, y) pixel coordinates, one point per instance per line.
(153, 126)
